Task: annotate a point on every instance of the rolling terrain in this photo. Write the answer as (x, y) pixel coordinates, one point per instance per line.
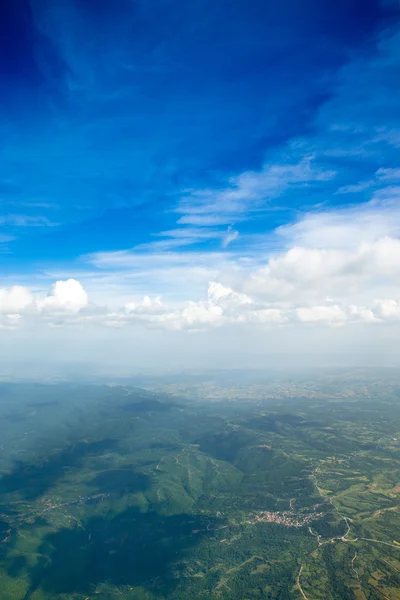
(277, 491)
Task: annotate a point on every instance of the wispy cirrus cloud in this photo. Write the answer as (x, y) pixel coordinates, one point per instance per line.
(247, 193)
(180, 238)
(206, 213)
(382, 178)
(12, 224)
(230, 236)
(25, 221)
(6, 238)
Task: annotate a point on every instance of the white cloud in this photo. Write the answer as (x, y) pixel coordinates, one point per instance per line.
(15, 300)
(178, 276)
(362, 314)
(388, 175)
(303, 274)
(65, 295)
(219, 294)
(247, 192)
(347, 227)
(223, 308)
(382, 177)
(322, 314)
(230, 236)
(147, 304)
(181, 237)
(332, 267)
(388, 309)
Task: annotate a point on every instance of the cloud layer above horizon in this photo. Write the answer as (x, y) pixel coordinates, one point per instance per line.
(215, 170)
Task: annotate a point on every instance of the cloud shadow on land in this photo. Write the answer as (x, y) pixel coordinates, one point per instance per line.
(31, 481)
(119, 482)
(132, 548)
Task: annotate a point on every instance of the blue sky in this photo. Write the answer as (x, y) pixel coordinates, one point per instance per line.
(148, 148)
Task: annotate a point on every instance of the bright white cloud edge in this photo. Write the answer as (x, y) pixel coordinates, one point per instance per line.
(354, 278)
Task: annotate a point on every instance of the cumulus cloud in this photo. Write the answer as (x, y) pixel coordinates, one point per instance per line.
(147, 304)
(304, 274)
(68, 304)
(349, 273)
(65, 295)
(221, 295)
(387, 309)
(224, 306)
(15, 299)
(347, 227)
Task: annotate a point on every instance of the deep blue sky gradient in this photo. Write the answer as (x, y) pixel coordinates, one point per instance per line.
(110, 110)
